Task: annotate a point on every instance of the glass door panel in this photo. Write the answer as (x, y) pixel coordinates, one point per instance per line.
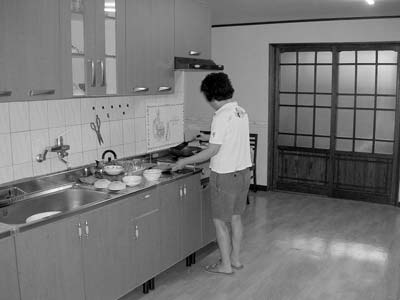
(110, 79)
(78, 48)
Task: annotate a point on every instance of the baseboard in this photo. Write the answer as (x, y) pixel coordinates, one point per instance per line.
(259, 187)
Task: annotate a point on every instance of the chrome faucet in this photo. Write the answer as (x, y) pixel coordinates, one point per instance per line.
(59, 148)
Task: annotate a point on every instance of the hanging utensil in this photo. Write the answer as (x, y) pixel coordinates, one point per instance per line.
(96, 128)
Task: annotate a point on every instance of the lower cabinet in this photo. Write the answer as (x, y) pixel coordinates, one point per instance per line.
(8, 270)
(50, 262)
(181, 228)
(105, 253)
(208, 227)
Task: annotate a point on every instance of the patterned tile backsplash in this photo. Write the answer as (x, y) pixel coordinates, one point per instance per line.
(26, 128)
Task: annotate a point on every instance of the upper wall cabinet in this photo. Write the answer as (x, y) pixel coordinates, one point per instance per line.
(149, 50)
(192, 29)
(30, 49)
(93, 47)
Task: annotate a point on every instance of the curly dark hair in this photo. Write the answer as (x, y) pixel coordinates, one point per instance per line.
(217, 86)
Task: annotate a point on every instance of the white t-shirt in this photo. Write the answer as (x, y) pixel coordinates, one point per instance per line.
(230, 129)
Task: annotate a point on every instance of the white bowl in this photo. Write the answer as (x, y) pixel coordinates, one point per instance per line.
(113, 169)
(132, 180)
(152, 174)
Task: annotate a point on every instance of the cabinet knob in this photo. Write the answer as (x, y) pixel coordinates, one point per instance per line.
(140, 89)
(194, 53)
(164, 88)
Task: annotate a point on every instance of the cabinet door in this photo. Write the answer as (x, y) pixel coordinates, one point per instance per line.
(139, 50)
(170, 201)
(107, 250)
(163, 45)
(50, 262)
(191, 215)
(8, 270)
(192, 29)
(38, 49)
(208, 227)
(147, 236)
(8, 34)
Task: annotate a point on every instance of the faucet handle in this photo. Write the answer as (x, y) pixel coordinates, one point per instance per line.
(59, 141)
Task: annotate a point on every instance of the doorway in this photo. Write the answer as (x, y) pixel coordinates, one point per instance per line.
(334, 120)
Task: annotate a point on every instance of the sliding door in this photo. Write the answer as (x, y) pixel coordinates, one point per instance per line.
(336, 120)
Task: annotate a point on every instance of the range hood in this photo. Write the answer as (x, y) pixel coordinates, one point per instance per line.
(185, 63)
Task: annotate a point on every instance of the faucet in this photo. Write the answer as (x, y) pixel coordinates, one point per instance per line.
(59, 148)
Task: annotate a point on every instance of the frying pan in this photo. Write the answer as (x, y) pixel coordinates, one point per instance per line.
(184, 151)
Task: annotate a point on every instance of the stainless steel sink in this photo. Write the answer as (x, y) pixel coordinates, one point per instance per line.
(64, 201)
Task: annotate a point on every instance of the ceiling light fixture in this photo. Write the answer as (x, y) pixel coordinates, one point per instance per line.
(370, 2)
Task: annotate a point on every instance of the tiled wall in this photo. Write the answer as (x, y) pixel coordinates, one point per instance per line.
(26, 128)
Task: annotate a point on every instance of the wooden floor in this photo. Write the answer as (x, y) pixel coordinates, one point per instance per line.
(299, 247)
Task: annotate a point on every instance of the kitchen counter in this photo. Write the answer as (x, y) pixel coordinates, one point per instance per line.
(59, 182)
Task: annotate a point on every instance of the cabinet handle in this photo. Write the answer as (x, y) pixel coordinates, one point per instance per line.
(194, 53)
(136, 232)
(92, 72)
(147, 196)
(140, 89)
(41, 92)
(180, 192)
(87, 229)
(184, 190)
(164, 88)
(5, 93)
(103, 73)
(79, 231)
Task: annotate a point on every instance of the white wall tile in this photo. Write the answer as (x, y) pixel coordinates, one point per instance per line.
(88, 112)
(119, 150)
(73, 112)
(23, 170)
(89, 138)
(57, 165)
(4, 118)
(141, 147)
(129, 149)
(117, 108)
(140, 107)
(56, 132)
(102, 106)
(6, 174)
(21, 147)
(116, 133)
(56, 111)
(39, 141)
(75, 160)
(129, 131)
(19, 116)
(5, 150)
(38, 115)
(140, 129)
(128, 106)
(73, 138)
(41, 168)
(89, 157)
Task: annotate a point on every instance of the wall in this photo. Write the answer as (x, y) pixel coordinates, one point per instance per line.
(26, 128)
(244, 50)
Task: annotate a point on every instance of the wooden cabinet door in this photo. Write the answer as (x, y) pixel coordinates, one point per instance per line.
(50, 262)
(146, 224)
(191, 215)
(8, 270)
(170, 202)
(192, 29)
(163, 45)
(38, 49)
(107, 249)
(139, 51)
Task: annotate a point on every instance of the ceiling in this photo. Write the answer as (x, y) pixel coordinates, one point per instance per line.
(250, 11)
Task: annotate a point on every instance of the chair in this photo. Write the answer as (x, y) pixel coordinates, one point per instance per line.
(253, 148)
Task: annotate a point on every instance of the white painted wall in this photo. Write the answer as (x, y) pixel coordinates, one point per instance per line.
(244, 52)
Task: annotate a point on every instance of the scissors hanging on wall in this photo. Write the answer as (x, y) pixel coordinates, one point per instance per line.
(96, 128)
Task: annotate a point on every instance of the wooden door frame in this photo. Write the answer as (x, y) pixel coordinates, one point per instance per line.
(273, 108)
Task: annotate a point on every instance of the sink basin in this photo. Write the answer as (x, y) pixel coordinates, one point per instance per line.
(63, 201)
